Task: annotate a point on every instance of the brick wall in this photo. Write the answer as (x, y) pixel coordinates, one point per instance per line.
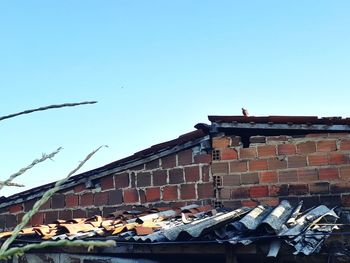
(314, 168)
(177, 179)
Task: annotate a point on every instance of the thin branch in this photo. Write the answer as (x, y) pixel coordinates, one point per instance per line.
(46, 244)
(55, 106)
(5, 183)
(23, 170)
(40, 202)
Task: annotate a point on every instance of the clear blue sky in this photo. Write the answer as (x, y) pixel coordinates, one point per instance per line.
(157, 68)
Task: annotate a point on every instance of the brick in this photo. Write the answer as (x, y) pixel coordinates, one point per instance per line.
(318, 160)
(143, 179)
(278, 190)
(307, 175)
(257, 165)
(224, 193)
(343, 187)
(93, 212)
(221, 142)
(121, 180)
(276, 164)
(65, 214)
(187, 191)
(288, 176)
(130, 195)
(317, 135)
(259, 191)
(232, 204)
(257, 139)
(339, 158)
(153, 164)
(235, 141)
(159, 177)
(79, 188)
(205, 173)
(247, 153)
(142, 195)
(50, 217)
(138, 167)
(326, 146)
(344, 172)
(57, 201)
(298, 189)
(107, 182)
(228, 154)
(270, 201)
(345, 145)
(319, 188)
(28, 205)
(306, 147)
(238, 166)
(266, 150)
(46, 205)
(87, 199)
(328, 174)
(231, 179)
(176, 176)
(15, 208)
(11, 221)
(192, 174)
(152, 194)
(240, 193)
(202, 158)
(249, 178)
(185, 157)
(280, 138)
(219, 168)
(330, 200)
(268, 177)
(79, 213)
(296, 161)
(168, 161)
(72, 200)
(205, 190)
(37, 219)
(108, 211)
(115, 197)
(100, 198)
(249, 203)
(286, 149)
(170, 193)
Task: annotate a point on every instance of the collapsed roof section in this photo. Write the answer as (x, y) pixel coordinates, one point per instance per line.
(278, 226)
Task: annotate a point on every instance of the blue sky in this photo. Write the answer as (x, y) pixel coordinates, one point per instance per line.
(157, 68)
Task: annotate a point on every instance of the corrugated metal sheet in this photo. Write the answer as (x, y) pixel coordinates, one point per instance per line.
(283, 223)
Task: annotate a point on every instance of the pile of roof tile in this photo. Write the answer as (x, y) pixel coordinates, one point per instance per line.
(305, 231)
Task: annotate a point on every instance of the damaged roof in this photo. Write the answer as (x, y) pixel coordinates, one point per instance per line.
(284, 224)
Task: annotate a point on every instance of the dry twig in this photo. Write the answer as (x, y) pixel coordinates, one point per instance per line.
(44, 157)
(55, 106)
(40, 202)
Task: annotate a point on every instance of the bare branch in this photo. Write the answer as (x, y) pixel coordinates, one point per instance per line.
(55, 106)
(46, 244)
(40, 202)
(4, 183)
(23, 170)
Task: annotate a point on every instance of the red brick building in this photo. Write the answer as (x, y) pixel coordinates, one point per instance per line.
(235, 161)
